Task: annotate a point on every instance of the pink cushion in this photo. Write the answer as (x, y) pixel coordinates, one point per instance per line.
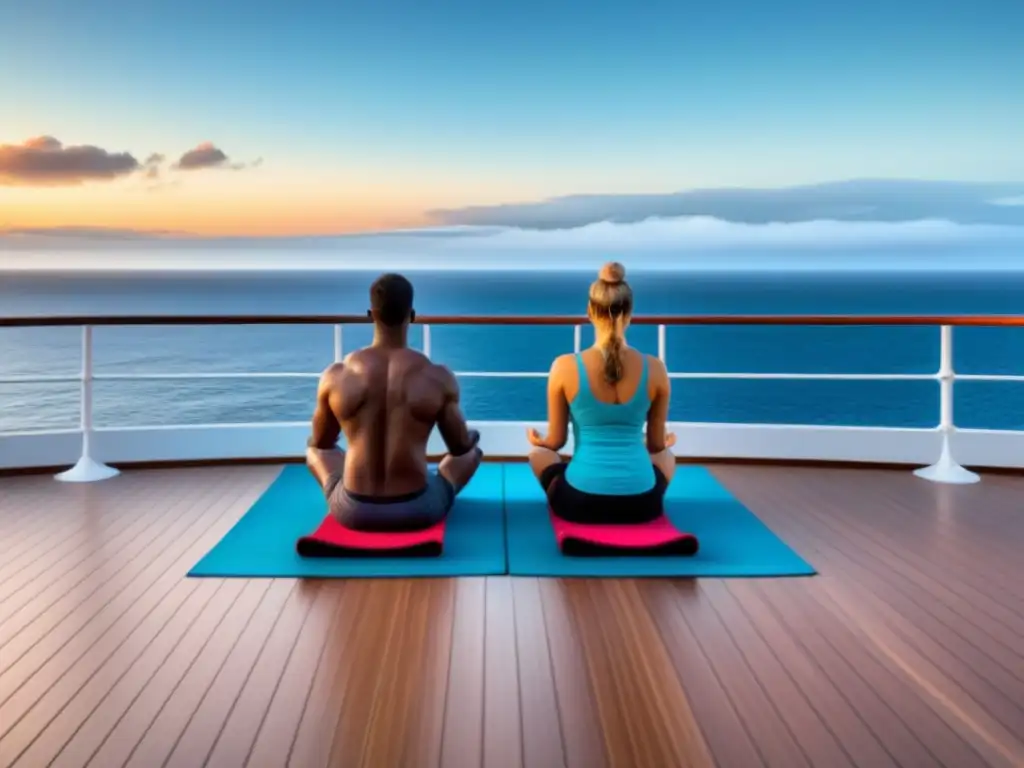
(657, 537)
(332, 539)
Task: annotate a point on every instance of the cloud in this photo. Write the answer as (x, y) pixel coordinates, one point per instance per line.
(1010, 201)
(151, 168)
(86, 234)
(702, 234)
(854, 200)
(207, 155)
(152, 173)
(682, 243)
(45, 161)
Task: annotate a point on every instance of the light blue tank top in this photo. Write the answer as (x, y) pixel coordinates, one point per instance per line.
(610, 455)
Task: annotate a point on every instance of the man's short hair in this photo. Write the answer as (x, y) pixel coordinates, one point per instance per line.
(391, 299)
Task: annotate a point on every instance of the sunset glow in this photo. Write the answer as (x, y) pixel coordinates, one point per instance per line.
(349, 118)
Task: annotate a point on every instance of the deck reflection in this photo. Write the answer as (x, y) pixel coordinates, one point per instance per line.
(907, 650)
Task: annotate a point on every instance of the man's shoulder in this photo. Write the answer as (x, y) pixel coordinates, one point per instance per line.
(359, 355)
(332, 374)
(439, 377)
(334, 370)
(439, 372)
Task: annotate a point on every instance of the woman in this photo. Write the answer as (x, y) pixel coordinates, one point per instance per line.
(609, 392)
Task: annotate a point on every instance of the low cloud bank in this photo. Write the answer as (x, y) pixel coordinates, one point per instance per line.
(892, 200)
(690, 234)
(702, 233)
(698, 244)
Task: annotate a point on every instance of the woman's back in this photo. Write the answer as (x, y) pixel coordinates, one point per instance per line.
(610, 456)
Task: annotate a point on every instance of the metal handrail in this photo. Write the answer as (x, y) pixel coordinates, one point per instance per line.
(901, 320)
(228, 375)
(945, 469)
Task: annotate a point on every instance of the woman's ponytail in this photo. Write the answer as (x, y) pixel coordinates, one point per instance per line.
(614, 368)
(611, 302)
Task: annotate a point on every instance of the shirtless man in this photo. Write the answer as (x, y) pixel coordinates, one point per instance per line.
(386, 398)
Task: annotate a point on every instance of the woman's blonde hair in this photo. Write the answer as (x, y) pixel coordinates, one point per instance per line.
(611, 304)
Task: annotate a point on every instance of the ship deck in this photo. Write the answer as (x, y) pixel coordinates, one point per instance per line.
(907, 649)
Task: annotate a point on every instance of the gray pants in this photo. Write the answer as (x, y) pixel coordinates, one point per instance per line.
(411, 512)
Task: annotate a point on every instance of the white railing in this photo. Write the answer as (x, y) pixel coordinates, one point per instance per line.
(945, 469)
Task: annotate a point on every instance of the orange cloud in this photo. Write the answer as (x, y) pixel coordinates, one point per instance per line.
(206, 155)
(45, 161)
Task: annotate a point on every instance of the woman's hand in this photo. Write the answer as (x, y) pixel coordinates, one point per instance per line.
(534, 438)
(670, 439)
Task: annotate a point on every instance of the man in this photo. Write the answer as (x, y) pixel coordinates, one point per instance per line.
(387, 398)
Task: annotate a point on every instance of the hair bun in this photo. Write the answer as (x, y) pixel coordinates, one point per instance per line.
(612, 273)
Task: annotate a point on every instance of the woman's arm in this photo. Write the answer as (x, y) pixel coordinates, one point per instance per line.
(558, 412)
(657, 416)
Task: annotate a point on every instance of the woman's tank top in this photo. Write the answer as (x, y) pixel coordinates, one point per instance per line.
(610, 454)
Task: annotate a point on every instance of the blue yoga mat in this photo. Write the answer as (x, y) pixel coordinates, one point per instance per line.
(733, 541)
(262, 543)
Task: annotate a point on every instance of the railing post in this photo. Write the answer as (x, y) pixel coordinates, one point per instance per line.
(577, 338)
(946, 470)
(661, 343)
(87, 469)
(426, 340)
(339, 352)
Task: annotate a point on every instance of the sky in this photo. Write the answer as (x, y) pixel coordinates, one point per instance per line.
(270, 119)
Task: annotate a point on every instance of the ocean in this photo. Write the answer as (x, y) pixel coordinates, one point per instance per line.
(708, 349)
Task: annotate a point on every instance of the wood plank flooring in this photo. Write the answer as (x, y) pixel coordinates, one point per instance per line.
(907, 649)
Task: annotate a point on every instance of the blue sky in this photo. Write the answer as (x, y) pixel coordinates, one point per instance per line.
(396, 108)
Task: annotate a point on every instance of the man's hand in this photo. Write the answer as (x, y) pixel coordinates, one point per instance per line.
(474, 439)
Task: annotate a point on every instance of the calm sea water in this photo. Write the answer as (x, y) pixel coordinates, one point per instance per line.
(717, 349)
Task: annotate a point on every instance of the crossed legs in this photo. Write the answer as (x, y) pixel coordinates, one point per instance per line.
(457, 470)
(325, 462)
(665, 460)
(542, 458)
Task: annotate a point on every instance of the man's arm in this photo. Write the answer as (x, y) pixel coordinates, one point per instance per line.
(326, 429)
(451, 423)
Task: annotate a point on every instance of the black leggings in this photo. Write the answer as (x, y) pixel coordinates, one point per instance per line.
(577, 506)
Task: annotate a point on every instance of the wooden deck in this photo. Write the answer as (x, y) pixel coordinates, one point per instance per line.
(907, 650)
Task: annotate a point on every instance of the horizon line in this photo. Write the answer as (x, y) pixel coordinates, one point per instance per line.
(267, 270)
(440, 225)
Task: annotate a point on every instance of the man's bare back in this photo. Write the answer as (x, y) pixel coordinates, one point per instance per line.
(386, 401)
